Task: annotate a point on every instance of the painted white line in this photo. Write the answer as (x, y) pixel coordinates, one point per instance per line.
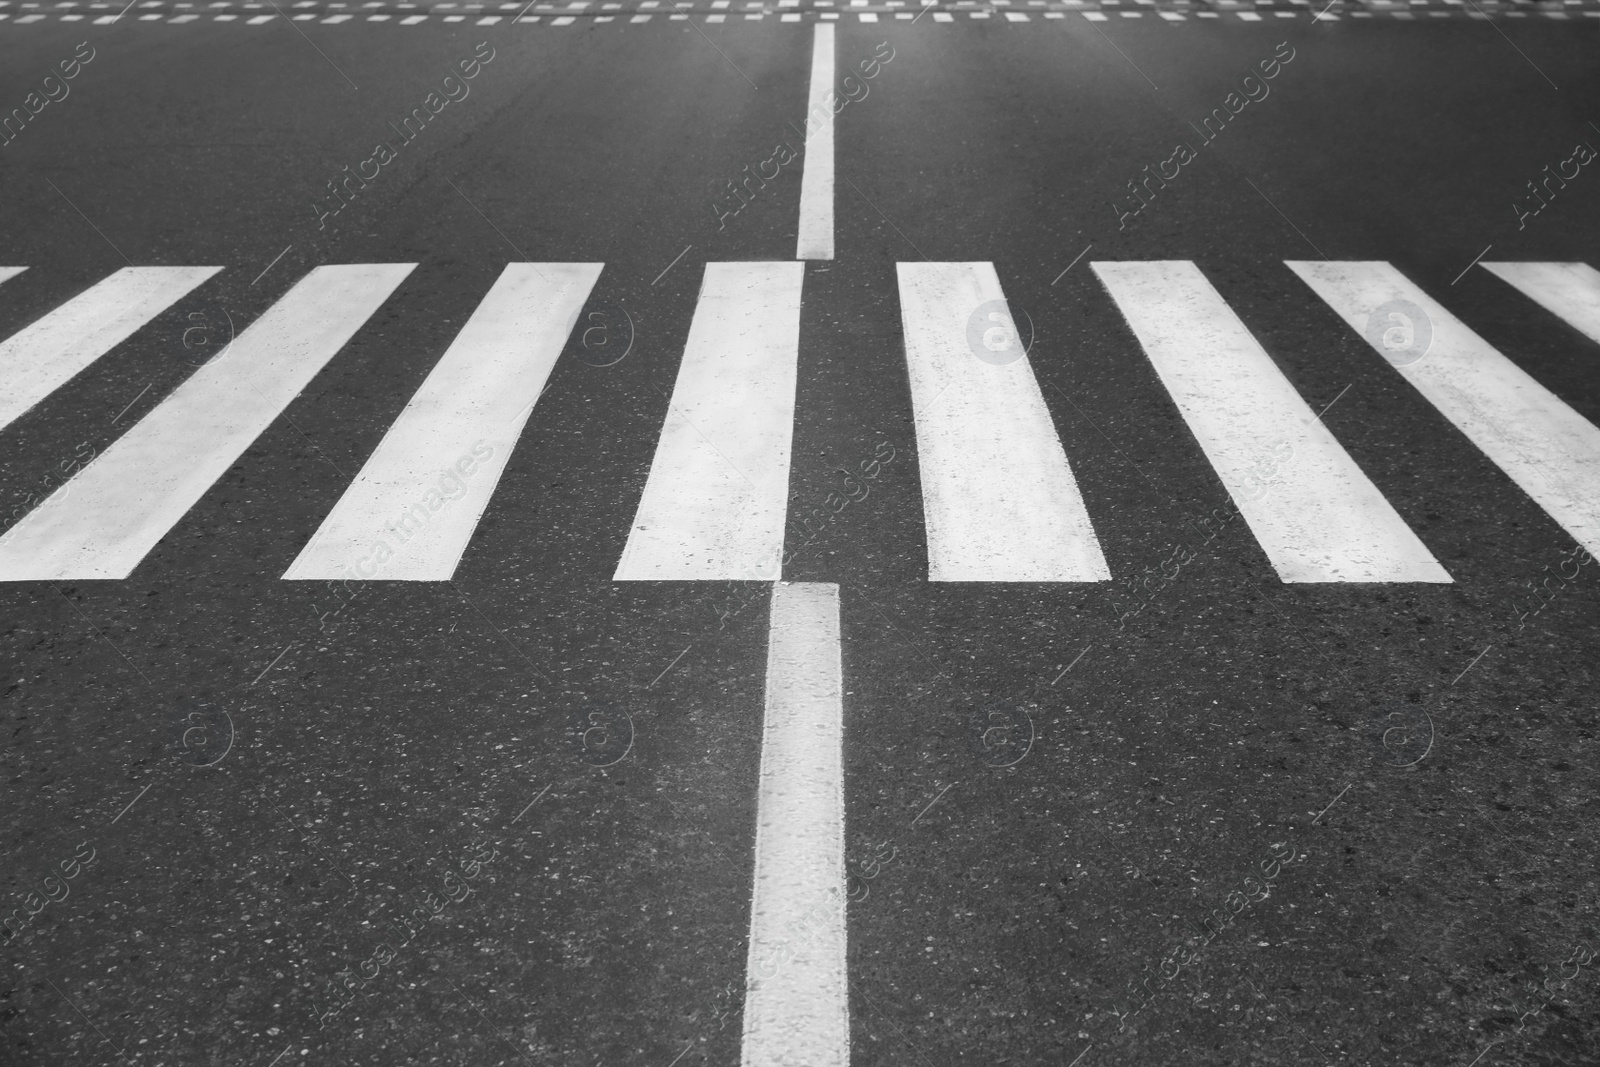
(796, 1008)
(1531, 434)
(816, 174)
(998, 498)
(104, 520)
(1570, 291)
(39, 359)
(718, 492)
(1317, 517)
(411, 511)
(7, 273)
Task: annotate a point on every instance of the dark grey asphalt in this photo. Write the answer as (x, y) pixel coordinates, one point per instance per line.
(379, 744)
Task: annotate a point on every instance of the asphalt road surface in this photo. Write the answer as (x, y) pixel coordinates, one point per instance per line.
(799, 534)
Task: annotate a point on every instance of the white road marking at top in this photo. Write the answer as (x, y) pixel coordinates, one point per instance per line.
(39, 359)
(1568, 290)
(1531, 434)
(998, 496)
(715, 502)
(1316, 515)
(797, 1005)
(411, 511)
(816, 174)
(105, 519)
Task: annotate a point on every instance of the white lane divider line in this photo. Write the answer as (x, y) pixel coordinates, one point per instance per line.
(1548, 449)
(797, 1008)
(411, 511)
(999, 499)
(104, 520)
(816, 170)
(1570, 291)
(715, 502)
(39, 359)
(1315, 513)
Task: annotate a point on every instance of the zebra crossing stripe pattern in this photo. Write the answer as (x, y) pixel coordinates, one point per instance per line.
(411, 511)
(717, 496)
(40, 358)
(999, 499)
(1569, 291)
(105, 519)
(1314, 513)
(797, 1007)
(1548, 449)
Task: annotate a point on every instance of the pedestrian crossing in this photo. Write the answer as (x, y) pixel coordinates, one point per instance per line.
(1000, 496)
(1317, 517)
(40, 359)
(407, 518)
(717, 496)
(108, 516)
(1548, 449)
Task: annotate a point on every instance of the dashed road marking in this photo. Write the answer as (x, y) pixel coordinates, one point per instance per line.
(797, 1008)
(816, 176)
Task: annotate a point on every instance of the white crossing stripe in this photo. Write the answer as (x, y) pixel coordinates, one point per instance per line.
(718, 492)
(1531, 434)
(411, 511)
(999, 500)
(1317, 517)
(103, 521)
(796, 1008)
(815, 239)
(7, 273)
(39, 359)
(1570, 291)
